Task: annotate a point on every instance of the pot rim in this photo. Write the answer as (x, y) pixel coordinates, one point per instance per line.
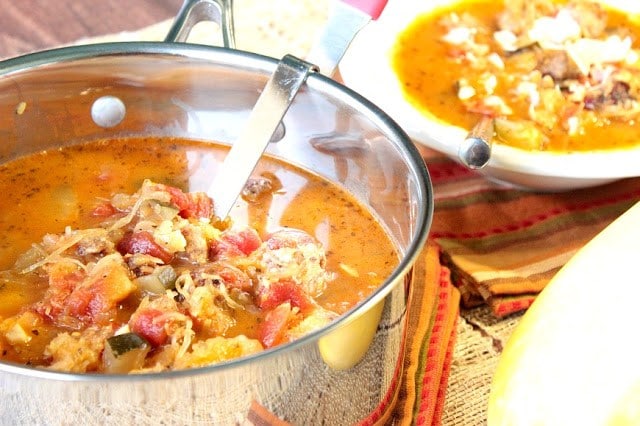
(263, 64)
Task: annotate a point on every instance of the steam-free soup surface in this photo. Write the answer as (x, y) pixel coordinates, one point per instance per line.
(113, 260)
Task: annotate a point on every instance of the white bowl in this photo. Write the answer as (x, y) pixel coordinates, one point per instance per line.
(366, 68)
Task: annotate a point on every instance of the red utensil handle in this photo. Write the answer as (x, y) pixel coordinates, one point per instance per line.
(372, 8)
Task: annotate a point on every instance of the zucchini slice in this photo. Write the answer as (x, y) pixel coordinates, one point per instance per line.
(125, 352)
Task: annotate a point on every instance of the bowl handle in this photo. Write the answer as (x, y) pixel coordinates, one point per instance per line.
(195, 11)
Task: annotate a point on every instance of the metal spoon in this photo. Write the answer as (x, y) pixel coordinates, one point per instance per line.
(348, 17)
(475, 150)
(271, 106)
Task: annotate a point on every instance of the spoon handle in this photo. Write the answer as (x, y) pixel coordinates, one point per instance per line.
(475, 150)
(346, 19)
(272, 105)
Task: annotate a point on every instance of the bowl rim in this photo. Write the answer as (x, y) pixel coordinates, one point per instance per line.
(424, 128)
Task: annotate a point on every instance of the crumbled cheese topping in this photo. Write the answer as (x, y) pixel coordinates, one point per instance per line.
(551, 32)
(587, 52)
(507, 40)
(459, 35)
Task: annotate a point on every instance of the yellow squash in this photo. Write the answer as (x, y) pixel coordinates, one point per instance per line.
(575, 357)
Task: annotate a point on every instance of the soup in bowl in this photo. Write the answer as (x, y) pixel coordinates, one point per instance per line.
(559, 80)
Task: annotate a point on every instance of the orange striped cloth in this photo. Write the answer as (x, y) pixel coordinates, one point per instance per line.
(433, 314)
(419, 395)
(504, 245)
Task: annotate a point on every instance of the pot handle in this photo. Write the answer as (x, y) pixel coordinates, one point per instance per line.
(195, 11)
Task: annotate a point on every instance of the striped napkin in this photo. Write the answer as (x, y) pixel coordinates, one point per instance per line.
(504, 245)
(431, 341)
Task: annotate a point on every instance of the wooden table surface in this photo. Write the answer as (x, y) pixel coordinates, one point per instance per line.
(30, 25)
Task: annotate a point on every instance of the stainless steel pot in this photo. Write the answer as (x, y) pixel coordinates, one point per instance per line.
(340, 374)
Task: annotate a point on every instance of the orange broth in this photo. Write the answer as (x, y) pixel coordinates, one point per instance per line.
(45, 192)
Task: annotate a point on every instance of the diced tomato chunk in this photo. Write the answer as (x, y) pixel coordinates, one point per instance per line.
(456, 52)
(142, 242)
(200, 206)
(91, 298)
(63, 279)
(192, 205)
(223, 250)
(147, 324)
(103, 210)
(230, 275)
(96, 298)
(234, 277)
(77, 304)
(236, 243)
(247, 240)
(482, 108)
(285, 291)
(276, 323)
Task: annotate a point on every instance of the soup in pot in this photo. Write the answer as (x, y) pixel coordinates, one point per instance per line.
(113, 260)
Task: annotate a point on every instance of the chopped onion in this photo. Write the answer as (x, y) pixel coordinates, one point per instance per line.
(160, 280)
